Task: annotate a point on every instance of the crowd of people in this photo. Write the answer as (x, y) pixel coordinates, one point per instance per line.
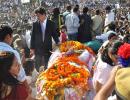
(25, 52)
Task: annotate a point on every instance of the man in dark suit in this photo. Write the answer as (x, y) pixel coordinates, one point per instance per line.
(85, 29)
(41, 38)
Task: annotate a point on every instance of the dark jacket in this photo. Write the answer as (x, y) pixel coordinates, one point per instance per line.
(85, 29)
(40, 47)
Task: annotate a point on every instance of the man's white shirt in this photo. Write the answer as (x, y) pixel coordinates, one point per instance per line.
(43, 28)
(109, 18)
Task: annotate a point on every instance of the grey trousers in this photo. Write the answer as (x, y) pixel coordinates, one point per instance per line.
(41, 60)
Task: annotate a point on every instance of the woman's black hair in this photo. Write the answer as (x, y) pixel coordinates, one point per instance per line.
(6, 61)
(4, 31)
(114, 49)
(105, 57)
(115, 46)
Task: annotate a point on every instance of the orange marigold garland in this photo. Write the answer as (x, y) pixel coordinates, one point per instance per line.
(64, 47)
(66, 72)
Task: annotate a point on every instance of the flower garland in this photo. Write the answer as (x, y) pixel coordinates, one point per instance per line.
(124, 54)
(75, 45)
(66, 72)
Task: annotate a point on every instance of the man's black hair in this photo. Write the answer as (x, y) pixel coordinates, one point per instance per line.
(111, 35)
(75, 9)
(68, 8)
(108, 8)
(98, 12)
(4, 31)
(40, 10)
(112, 26)
(85, 9)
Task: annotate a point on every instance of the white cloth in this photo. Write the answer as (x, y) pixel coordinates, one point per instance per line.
(28, 38)
(5, 47)
(102, 72)
(54, 57)
(109, 18)
(112, 97)
(88, 58)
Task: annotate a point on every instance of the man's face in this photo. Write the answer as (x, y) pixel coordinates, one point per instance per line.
(40, 17)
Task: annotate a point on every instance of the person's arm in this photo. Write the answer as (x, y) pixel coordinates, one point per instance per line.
(101, 37)
(108, 87)
(98, 86)
(105, 91)
(54, 34)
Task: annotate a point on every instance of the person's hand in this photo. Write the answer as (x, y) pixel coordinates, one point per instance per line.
(32, 51)
(113, 72)
(115, 69)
